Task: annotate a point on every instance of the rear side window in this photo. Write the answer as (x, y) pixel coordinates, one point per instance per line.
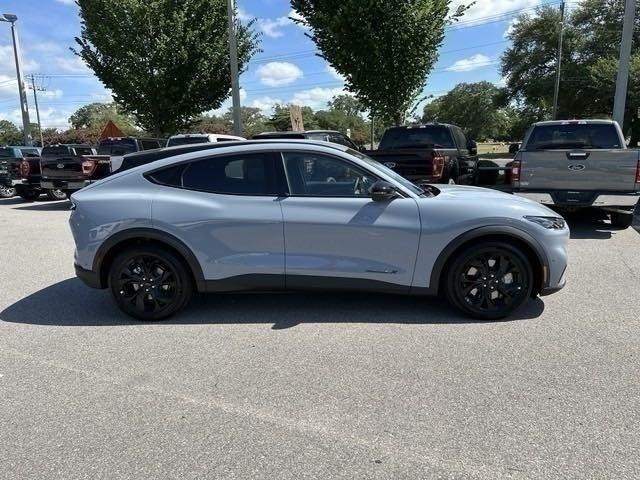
(150, 144)
(250, 174)
(55, 151)
(342, 140)
(117, 147)
(573, 135)
(84, 151)
(421, 137)
(461, 139)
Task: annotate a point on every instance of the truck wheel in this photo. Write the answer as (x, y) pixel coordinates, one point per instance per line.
(621, 220)
(150, 283)
(7, 192)
(489, 280)
(29, 194)
(56, 194)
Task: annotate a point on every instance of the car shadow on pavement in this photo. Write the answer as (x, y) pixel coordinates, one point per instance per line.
(11, 201)
(48, 206)
(584, 227)
(71, 303)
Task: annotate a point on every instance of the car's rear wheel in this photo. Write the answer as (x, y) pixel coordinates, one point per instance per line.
(489, 280)
(7, 192)
(150, 283)
(621, 220)
(56, 194)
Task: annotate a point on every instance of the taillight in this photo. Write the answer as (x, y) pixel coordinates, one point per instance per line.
(25, 168)
(638, 172)
(516, 169)
(438, 165)
(89, 167)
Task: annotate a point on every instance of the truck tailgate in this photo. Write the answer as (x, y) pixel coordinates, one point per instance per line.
(601, 170)
(408, 163)
(61, 167)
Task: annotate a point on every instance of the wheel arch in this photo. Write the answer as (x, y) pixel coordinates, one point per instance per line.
(529, 245)
(145, 236)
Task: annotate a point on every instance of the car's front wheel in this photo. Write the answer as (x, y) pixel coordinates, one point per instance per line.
(489, 280)
(56, 194)
(7, 192)
(150, 283)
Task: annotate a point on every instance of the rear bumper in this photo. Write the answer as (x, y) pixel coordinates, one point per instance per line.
(64, 184)
(89, 277)
(582, 199)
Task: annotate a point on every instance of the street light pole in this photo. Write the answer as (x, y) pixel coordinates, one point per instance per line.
(24, 107)
(556, 90)
(622, 82)
(233, 56)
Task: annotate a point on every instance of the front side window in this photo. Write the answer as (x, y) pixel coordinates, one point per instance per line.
(317, 175)
(249, 174)
(29, 152)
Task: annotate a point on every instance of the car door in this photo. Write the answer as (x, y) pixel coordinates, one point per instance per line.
(226, 210)
(466, 161)
(336, 235)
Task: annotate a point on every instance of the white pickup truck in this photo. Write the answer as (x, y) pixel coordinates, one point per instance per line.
(578, 164)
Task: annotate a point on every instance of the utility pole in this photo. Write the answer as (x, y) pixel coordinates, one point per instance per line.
(622, 82)
(556, 91)
(372, 131)
(24, 107)
(235, 79)
(36, 89)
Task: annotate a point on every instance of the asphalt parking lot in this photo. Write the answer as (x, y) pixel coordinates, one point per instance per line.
(290, 386)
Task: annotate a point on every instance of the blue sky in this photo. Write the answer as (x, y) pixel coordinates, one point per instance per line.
(286, 71)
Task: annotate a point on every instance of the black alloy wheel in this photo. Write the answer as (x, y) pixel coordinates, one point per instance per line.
(149, 283)
(489, 280)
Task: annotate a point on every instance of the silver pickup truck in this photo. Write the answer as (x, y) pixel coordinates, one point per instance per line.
(578, 164)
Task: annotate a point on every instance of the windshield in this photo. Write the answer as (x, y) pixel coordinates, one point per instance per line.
(117, 147)
(187, 141)
(55, 151)
(387, 171)
(29, 152)
(6, 152)
(574, 135)
(419, 137)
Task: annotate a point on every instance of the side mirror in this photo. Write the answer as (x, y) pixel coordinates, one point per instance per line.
(382, 191)
(473, 147)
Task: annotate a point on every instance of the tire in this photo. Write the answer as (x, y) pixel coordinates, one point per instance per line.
(621, 220)
(7, 192)
(56, 194)
(140, 268)
(478, 269)
(28, 194)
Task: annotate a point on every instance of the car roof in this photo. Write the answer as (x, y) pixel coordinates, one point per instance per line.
(575, 122)
(71, 145)
(215, 135)
(294, 134)
(21, 146)
(422, 125)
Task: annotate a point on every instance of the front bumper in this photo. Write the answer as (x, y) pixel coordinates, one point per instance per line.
(89, 277)
(64, 184)
(582, 198)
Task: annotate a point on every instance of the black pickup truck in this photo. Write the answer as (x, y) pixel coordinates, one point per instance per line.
(431, 153)
(10, 159)
(70, 167)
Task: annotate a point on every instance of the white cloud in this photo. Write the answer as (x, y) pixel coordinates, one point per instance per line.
(227, 104)
(67, 2)
(266, 104)
(467, 64)
(510, 28)
(243, 15)
(316, 98)
(71, 65)
(295, 15)
(50, 94)
(487, 10)
(7, 61)
(334, 73)
(273, 27)
(277, 74)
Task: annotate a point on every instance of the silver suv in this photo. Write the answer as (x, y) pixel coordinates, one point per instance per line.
(274, 214)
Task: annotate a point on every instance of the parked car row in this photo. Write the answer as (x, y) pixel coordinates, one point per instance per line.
(568, 165)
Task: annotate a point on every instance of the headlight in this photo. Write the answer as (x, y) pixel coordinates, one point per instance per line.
(552, 223)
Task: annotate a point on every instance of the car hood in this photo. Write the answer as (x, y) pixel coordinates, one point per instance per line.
(491, 198)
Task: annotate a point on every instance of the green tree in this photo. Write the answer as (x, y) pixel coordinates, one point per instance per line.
(95, 116)
(166, 61)
(10, 134)
(280, 120)
(253, 120)
(471, 106)
(590, 63)
(384, 48)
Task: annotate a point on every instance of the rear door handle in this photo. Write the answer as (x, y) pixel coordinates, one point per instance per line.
(577, 155)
